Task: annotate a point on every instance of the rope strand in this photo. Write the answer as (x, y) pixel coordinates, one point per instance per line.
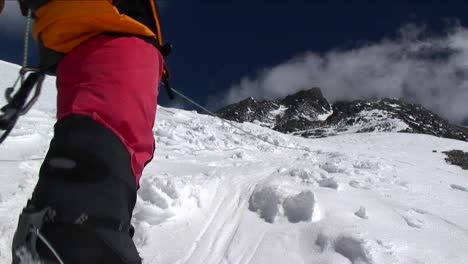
(46, 242)
(27, 32)
(188, 99)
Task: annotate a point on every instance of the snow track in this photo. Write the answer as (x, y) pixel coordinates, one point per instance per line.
(358, 184)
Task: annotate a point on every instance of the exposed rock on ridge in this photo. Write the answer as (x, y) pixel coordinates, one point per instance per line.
(308, 113)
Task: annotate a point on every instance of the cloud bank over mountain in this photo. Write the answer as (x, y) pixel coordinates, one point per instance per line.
(424, 68)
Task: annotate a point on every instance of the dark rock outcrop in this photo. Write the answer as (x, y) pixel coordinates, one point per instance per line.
(386, 115)
(458, 158)
(294, 113)
(308, 113)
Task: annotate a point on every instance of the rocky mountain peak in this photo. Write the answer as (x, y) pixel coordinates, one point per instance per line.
(309, 114)
(313, 94)
(294, 113)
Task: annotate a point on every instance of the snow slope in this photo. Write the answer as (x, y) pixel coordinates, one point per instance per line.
(215, 195)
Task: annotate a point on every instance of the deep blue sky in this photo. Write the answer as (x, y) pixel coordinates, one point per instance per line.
(218, 42)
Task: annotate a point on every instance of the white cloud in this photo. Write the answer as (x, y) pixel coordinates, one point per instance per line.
(11, 20)
(430, 70)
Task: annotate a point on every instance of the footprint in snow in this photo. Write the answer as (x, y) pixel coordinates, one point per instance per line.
(413, 222)
(332, 167)
(459, 187)
(266, 200)
(299, 207)
(359, 185)
(419, 211)
(328, 183)
(351, 248)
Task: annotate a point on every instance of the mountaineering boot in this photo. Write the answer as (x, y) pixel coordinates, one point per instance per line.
(86, 181)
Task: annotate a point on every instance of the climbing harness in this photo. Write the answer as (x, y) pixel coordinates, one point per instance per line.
(28, 82)
(20, 103)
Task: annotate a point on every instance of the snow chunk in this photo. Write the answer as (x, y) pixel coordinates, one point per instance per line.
(152, 195)
(329, 183)
(324, 116)
(352, 249)
(300, 207)
(362, 213)
(280, 111)
(303, 174)
(168, 187)
(332, 167)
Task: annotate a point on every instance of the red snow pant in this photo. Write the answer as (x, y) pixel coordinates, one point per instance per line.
(107, 90)
(114, 80)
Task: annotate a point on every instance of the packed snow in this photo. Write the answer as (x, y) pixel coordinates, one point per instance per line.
(213, 194)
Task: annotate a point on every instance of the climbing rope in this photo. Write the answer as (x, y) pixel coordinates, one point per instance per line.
(193, 102)
(27, 33)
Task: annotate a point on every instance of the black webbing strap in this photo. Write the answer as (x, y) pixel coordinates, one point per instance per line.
(20, 102)
(32, 220)
(89, 221)
(25, 239)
